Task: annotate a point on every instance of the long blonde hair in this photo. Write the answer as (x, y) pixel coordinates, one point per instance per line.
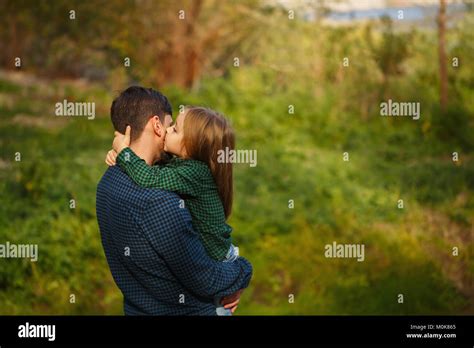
(205, 133)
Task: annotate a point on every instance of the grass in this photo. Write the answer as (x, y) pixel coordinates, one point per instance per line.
(408, 251)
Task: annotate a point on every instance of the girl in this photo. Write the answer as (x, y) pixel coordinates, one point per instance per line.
(204, 183)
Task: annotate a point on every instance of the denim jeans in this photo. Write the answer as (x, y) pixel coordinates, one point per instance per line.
(231, 256)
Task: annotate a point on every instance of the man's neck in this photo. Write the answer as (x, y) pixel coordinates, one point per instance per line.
(145, 150)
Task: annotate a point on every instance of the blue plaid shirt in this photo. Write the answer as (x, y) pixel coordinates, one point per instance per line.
(155, 256)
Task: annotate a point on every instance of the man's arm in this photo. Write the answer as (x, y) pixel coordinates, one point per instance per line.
(169, 230)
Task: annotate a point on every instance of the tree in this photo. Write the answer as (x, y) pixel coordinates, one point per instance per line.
(389, 52)
(443, 72)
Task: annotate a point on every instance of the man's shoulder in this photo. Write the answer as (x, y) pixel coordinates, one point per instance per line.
(118, 186)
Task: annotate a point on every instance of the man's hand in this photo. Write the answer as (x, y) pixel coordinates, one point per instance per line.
(110, 158)
(231, 301)
(121, 141)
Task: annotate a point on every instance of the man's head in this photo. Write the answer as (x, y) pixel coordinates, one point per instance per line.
(147, 111)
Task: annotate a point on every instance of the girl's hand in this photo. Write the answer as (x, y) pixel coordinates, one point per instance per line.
(121, 141)
(110, 158)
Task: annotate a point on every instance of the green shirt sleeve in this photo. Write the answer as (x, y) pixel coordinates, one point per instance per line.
(181, 178)
(216, 244)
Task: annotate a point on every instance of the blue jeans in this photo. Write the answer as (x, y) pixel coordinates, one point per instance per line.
(231, 256)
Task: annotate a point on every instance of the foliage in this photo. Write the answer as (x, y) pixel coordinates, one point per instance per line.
(300, 158)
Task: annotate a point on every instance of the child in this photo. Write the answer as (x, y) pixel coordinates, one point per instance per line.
(195, 139)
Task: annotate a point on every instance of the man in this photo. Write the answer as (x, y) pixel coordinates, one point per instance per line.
(155, 256)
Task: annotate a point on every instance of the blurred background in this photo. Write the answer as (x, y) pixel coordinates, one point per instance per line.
(302, 82)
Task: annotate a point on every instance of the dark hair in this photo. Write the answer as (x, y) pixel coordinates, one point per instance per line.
(135, 106)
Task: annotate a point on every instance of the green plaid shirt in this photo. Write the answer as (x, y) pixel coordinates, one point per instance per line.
(193, 180)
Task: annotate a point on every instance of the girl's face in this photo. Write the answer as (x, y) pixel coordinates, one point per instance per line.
(174, 137)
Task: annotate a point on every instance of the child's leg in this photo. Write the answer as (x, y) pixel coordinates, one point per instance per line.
(232, 254)
(221, 311)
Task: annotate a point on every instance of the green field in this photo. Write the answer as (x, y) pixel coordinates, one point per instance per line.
(408, 251)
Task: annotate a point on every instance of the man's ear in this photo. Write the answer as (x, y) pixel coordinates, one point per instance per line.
(157, 125)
